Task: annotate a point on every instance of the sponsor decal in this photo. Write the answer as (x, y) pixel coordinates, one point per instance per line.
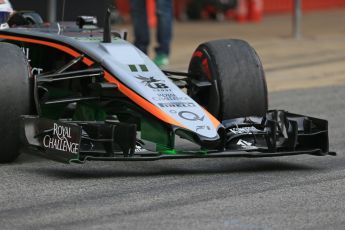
(202, 127)
(88, 39)
(190, 116)
(169, 97)
(133, 68)
(244, 130)
(177, 105)
(139, 149)
(26, 51)
(244, 143)
(153, 83)
(144, 68)
(61, 140)
(34, 70)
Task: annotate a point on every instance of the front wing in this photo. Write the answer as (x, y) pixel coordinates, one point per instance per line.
(279, 133)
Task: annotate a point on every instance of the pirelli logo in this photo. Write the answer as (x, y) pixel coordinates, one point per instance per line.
(176, 105)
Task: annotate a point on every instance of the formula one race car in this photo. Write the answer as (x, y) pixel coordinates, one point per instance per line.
(77, 94)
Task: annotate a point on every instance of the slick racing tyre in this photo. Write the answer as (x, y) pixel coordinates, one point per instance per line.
(238, 86)
(14, 98)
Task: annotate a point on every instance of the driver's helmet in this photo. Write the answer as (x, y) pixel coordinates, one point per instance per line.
(5, 11)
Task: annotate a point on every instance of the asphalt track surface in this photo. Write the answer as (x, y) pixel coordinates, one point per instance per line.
(300, 192)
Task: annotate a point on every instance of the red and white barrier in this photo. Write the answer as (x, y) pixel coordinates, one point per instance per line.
(249, 10)
(255, 11)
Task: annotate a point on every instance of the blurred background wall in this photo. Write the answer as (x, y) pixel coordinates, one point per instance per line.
(183, 8)
(73, 8)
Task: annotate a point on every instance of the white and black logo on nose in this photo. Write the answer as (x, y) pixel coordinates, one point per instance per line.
(152, 82)
(190, 116)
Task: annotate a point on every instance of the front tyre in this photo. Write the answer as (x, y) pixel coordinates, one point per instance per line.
(14, 98)
(238, 81)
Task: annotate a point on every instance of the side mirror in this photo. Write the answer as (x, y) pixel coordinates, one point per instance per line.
(86, 21)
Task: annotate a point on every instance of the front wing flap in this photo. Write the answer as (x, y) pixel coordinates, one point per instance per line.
(278, 132)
